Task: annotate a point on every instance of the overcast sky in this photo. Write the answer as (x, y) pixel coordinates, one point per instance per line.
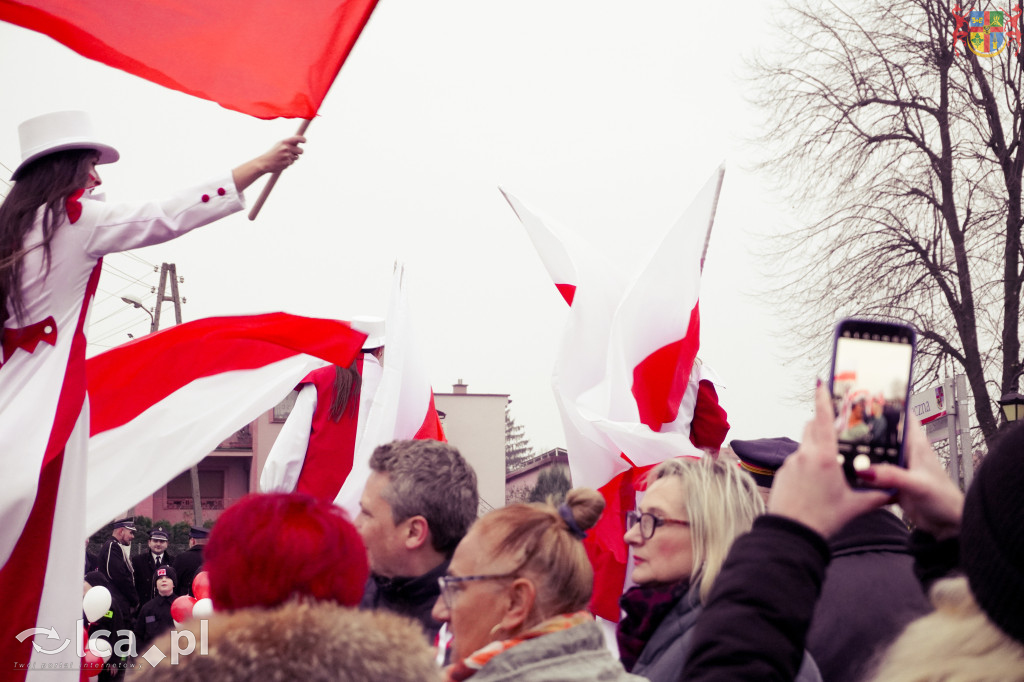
(607, 120)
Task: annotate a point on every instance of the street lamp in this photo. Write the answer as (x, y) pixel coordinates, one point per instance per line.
(135, 301)
(1012, 402)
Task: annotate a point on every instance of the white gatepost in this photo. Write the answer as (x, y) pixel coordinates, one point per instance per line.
(944, 411)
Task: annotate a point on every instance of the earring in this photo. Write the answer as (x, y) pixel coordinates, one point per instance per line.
(495, 629)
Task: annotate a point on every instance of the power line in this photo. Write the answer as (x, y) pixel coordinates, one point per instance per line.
(118, 272)
(140, 259)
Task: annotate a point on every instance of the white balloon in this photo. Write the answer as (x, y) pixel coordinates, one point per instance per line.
(203, 609)
(96, 603)
(101, 648)
(177, 625)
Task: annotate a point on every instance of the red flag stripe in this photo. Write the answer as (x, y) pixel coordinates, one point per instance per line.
(660, 379)
(265, 58)
(175, 357)
(568, 292)
(431, 428)
(21, 578)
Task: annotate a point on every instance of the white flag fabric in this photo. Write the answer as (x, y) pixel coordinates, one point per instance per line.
(626, 378)
(403, 405)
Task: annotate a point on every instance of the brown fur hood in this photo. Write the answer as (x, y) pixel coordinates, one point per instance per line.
(308, 641)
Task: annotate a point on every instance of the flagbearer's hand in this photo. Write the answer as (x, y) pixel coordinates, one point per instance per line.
(280, 156)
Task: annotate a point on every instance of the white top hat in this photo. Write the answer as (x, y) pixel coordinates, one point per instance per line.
(56, 132)
(373, 327)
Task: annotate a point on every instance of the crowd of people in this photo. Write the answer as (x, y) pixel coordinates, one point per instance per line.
(821, 582)
(724, 587)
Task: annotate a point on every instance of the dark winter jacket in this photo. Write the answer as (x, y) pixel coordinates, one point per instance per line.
(411, 597)
(666, 652)
(754, 624)
(154, 619)
(143, 565)
(870, 594)
(116, 567)
(186, 565)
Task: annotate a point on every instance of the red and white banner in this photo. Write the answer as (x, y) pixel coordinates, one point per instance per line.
(265, 58)
(158, 405)
(625, 379)
(403, 405)
(163, 402)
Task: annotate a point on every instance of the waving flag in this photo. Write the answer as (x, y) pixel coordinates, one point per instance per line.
(626, 380)
(403, 405)
(265, 58)
(157, 405)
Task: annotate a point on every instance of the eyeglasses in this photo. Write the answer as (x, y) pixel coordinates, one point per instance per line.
(448, 583)
(648, 522)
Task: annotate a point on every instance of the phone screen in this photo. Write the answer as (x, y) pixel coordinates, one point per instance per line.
(870, 380)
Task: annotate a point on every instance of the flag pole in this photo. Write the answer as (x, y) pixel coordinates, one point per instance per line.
(273, 180)
(711, 219)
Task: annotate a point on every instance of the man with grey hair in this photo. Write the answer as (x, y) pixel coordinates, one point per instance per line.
(418, 503)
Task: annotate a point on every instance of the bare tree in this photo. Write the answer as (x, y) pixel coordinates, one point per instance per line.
(903, 153)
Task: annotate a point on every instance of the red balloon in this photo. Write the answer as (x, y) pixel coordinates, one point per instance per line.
(201, 585)
(181, 608)
(91, 664)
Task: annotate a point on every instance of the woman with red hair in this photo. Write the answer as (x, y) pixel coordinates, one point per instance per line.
(267, 549)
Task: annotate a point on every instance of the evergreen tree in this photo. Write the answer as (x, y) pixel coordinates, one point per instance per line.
(517, 446)
(552, 485)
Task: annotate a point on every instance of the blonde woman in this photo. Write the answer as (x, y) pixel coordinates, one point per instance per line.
(516, 594)
(680, 535)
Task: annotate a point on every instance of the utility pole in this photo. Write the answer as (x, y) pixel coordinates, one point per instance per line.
(168, 271)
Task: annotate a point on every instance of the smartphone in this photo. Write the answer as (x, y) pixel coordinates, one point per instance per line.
(872, 363)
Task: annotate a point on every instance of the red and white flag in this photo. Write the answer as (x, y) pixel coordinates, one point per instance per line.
(168, 399)
(265, 58)
(626, 380)
(403, 405)
(156, 406)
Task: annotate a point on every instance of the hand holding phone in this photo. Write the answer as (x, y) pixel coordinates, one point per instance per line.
(809, 487)
(931, 501)
(872, 364)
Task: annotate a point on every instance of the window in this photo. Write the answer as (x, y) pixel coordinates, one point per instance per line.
(284, 408)
(211, 489)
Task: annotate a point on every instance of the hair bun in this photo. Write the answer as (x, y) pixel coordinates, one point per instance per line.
(585, 505)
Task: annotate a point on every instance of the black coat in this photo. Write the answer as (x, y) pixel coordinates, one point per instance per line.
(186, 565)
(153, 620)
(118, 571)
(112, 627)
(870, 594)
(412, 597)
(666, 651)
(143, 565)
(755, 622)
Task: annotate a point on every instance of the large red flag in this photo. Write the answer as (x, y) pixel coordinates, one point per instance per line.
(265, 58)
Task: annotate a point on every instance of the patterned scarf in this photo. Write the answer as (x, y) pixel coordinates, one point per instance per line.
(645, 606)
(468, 666)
